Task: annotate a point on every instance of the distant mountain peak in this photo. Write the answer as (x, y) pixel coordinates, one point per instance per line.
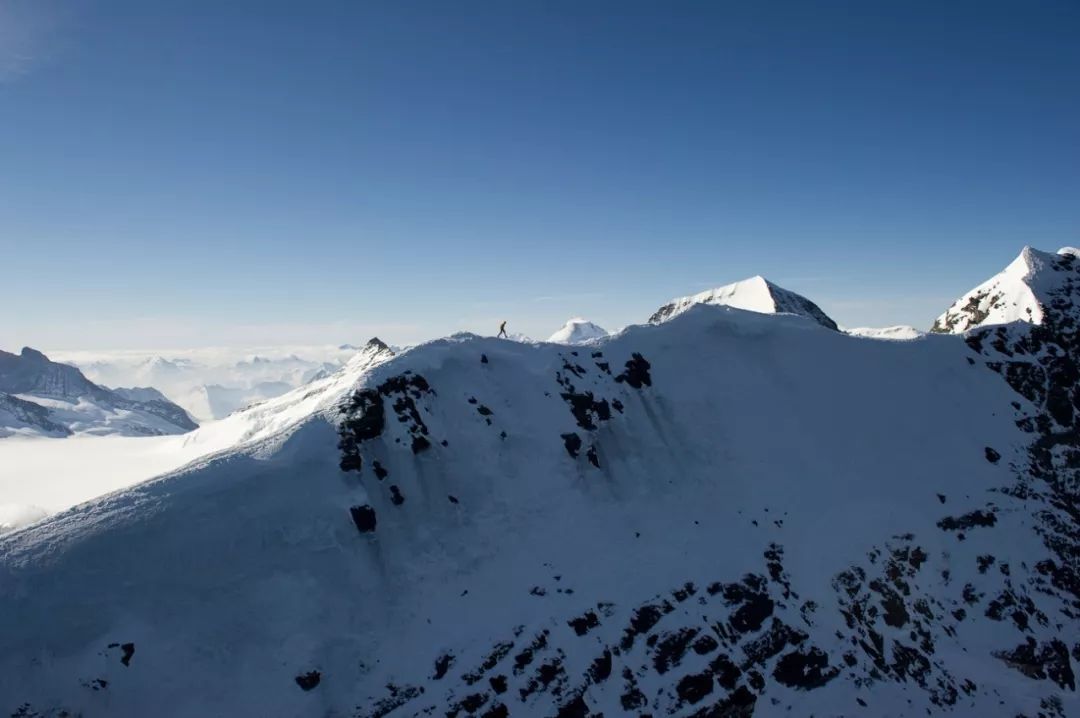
(31, 354)
(1018, 293)
(65, 398)
(755, 294)
(576, 331)
(377, 344)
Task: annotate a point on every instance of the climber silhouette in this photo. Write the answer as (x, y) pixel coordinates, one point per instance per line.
(502, 330)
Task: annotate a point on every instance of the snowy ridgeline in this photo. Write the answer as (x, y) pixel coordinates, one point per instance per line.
(725, 513)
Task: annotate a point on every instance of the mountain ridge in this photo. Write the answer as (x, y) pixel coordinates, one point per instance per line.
(67, 399)
(816, 522)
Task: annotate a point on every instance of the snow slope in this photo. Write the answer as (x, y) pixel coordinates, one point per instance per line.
(577, 331)
(756, 294)
(38, 479)
(723, 514)
(1018, 293)
(45, 398)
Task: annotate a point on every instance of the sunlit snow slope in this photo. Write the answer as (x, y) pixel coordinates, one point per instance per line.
(1018, 293)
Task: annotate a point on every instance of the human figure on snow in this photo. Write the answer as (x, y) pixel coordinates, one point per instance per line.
(502, 330)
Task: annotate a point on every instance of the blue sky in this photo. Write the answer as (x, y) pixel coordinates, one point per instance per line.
(204, 173)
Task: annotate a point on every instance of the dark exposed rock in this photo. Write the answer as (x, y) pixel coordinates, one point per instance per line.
(726, 672)
(642, 622)
(636, 373)
(363, 517)
(395, 496)
(693, 688)
(968, 520)
(992, 456)
(572, 442)
(442, 665)
(600, 670)
(523, 659)
(1041, 661)
(576, 708)
(584, 623)
(805, 670)
(363, 420)
(499, 652)
(671, 648)
(308, 680)
(738, 704)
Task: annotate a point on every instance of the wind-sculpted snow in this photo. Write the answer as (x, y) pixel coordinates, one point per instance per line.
(728, 514)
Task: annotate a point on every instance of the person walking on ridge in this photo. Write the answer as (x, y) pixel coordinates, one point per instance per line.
(502, 330)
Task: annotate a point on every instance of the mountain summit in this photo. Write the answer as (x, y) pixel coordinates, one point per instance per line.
(1020, 292)
(755, 294)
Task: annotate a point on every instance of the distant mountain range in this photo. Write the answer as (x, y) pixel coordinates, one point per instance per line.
(42, 397)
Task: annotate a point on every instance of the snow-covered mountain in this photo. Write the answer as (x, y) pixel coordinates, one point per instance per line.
(38, 480)
(214, 382)
(900, 332)
(1017, 293)
(725, 514)
(755, 294)
(42, 397)
(578, 331)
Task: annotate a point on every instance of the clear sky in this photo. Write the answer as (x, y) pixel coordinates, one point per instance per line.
(204, 173)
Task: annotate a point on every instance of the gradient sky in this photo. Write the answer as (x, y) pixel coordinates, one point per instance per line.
(225, 173)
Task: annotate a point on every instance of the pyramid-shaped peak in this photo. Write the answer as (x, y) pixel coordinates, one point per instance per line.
(755, 294)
